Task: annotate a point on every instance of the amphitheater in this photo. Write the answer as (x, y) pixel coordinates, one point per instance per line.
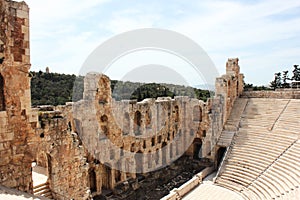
(245, 144)
(262, 158)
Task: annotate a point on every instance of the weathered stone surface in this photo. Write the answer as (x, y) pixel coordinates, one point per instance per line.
(277, 94)
(15, 96)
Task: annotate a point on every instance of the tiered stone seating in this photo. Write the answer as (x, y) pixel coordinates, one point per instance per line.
(290, 117)
(264, 159)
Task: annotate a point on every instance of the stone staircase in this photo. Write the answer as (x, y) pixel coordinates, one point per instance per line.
(232, 123)
(43, 190)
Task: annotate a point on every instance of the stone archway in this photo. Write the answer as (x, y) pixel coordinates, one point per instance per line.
(126, 124)
(93, 181)
(197, 114)
(220, 154)
(164, 153)
(197, 148)
(137, 123)
(106, 177)
(139, 161)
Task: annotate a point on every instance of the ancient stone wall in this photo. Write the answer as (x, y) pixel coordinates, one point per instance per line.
(99, 142)
(228, 87)
(57, 148)
(157, 130)
(277, 94)
(16, 120)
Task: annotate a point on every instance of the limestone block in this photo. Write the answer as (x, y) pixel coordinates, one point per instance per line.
(22, 14)
(7, 136)
(4, 160)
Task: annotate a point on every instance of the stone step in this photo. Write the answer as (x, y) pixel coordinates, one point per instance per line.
(43, 190)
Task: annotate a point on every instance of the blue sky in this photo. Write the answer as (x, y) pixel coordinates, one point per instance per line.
(264, 34)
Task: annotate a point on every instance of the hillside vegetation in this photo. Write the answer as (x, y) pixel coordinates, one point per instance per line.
(57, 89)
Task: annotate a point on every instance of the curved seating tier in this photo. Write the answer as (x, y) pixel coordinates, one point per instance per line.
(264, 157)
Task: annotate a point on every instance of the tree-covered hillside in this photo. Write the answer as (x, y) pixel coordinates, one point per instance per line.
(51, 88)
(57, 89)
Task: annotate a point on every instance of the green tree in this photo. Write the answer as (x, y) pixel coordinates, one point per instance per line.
(276, 83)
(296, 73)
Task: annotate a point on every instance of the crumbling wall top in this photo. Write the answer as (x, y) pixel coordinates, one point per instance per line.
(232, 66)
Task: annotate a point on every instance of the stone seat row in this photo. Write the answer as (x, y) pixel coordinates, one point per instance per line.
(258, 177)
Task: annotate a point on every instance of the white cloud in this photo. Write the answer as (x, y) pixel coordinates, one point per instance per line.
(261, 33)
(232, 29)
(129, 19)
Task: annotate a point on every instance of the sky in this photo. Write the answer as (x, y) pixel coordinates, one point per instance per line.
(263, 34)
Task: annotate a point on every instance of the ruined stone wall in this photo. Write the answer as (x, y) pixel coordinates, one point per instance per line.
(228, 87)
(58, 149)
(16, 120)
(152, 127)
(157, 129)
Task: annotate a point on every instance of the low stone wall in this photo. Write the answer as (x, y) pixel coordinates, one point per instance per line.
(178, 193)
(277, 94)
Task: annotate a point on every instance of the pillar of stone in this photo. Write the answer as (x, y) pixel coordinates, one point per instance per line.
(15, 112)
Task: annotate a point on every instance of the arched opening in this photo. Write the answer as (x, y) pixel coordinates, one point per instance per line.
(139, 161)
(117, 176)
(157, 156)
(104, 118)
(228, 88)
(197, 148)
(41, 172)
(106, 177)
(148, 118)
(162, 118)
(164, 153)
(220, 153)
(159, 139)
(104, 121)
(204, 133)
(153, 142)
(126, 124)
(137, 123)
(112, 154)
(93, 181)
(197, 114)
(149, 157)
(2, 99)
(176, 113)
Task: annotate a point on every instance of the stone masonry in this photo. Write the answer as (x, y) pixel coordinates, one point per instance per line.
(16, 122)
(91, 146)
